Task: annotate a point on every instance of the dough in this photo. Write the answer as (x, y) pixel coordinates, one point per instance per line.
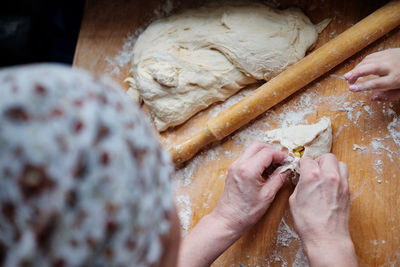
(302, 140)
(184, 63)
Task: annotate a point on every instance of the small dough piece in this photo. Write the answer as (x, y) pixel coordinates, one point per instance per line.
(184, 63)
(314, 140)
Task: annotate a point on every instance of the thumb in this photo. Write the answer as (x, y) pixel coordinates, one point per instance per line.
(274, 182)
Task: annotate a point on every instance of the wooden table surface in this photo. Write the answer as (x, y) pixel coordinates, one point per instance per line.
(374, 166)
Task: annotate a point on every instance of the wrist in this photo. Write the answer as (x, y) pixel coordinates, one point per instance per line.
(230, 227)
(331, 251)
(206, 242)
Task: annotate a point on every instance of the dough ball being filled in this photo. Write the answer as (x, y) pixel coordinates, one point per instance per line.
(302, 140)
(184, 63)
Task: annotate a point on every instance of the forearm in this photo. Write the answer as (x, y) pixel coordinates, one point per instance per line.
(337, 253)
(206, 242)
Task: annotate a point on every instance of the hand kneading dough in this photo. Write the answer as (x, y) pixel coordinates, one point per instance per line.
(315, 138)
(184, 63)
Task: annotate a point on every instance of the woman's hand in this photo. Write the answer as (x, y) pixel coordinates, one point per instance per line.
(384, 64)
(320, 207)
(246, 197)
(247, 194)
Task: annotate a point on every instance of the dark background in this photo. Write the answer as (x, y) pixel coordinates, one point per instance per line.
(39, 31)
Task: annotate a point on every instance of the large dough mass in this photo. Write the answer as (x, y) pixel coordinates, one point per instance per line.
(184, 63)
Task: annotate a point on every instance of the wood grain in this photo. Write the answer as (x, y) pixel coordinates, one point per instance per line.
(374, 172)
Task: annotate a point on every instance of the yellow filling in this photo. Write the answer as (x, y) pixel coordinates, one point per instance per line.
(298, 151)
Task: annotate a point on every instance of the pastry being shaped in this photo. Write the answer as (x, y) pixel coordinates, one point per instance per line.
(302, 140)
(183, 63)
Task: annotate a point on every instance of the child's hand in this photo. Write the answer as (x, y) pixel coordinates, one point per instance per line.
(385, 64)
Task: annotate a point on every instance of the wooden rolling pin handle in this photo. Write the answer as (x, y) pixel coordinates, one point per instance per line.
(189, 147)
(291, 80)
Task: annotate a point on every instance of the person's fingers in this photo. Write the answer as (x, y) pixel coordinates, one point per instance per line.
(381, 83)
(391, 95)
(364, 69)
(274, 182)
(309, 169)
(374, 55)
(252, 150)
(343, 170)
(264, 158)
(344, 174)
(329, 166)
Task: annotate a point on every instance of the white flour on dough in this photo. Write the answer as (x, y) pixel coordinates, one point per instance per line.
(184, 63)
(307, 140)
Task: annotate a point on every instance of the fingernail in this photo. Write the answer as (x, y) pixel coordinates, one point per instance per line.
(347, 75)
(354, 88)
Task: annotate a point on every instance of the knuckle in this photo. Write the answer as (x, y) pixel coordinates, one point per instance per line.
(333, 178)
(375, 68)
(242, 171)
(314, 174)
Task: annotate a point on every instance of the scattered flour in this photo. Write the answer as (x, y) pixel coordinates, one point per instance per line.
(377, 144)
(349, 108)
(368, 110)
(339, 131)
(377, 242)
(332, 34)
(341, 77)
(185, 211)
(123, 57)
(228, 153)
(378, 167)
(287, 238)
(184, 175)
(285, 235)
(394, 127)
(361, 148)
(301, 260)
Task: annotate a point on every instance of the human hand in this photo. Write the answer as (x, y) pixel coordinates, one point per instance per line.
(320, 207)
(247, 194)
(246, 197)
(386, 65)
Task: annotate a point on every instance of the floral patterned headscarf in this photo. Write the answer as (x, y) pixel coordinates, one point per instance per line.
(83, 180)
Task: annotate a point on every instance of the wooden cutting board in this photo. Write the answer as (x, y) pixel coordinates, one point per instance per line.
(363, 136)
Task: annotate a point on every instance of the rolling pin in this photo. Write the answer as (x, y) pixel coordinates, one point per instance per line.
(291, 80)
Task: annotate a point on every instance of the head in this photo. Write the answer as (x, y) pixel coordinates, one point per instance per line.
(83, 179)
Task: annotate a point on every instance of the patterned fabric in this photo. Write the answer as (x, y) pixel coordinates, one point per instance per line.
(83, 180)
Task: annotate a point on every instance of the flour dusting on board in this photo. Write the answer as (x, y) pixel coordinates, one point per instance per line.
(394, 126)
(123, 57)
(285, 235)
(287, 241)
(184, 211)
